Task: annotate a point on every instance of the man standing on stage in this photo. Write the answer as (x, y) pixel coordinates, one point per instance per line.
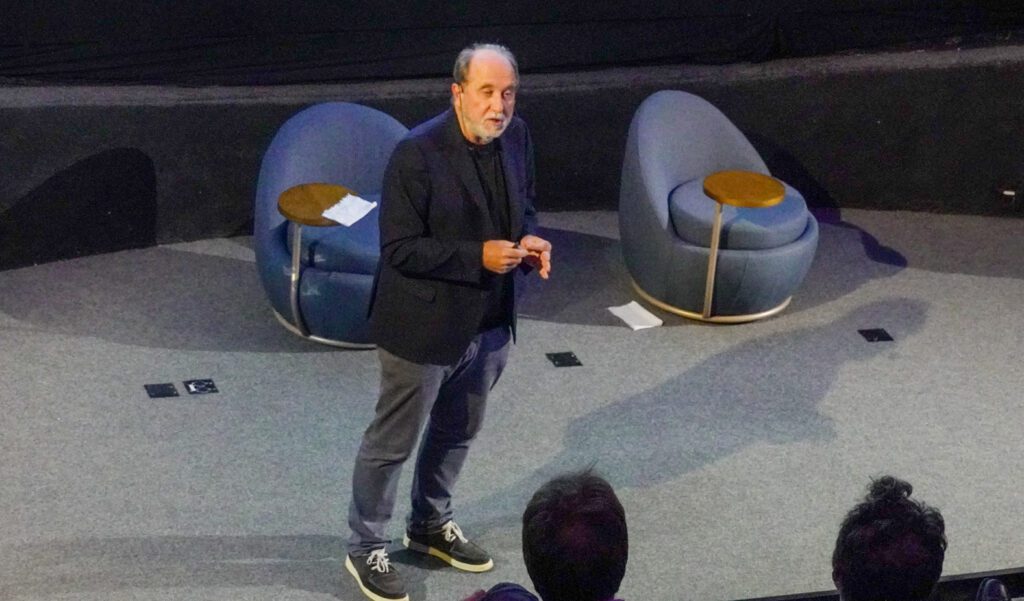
(457, 218)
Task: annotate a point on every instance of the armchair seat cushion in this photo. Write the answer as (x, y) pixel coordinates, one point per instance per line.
(354, 249)
(693, 215)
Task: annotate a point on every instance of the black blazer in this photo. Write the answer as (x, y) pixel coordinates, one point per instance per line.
(430, 288)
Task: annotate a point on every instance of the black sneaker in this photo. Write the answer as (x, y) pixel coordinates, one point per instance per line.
(375, 576)
(450, 546)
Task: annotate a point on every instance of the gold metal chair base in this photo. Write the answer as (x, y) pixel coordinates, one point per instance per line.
(328, 341)
(698, 316)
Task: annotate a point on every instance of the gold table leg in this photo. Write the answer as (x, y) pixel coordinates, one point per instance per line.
(709, 288)
(296, 256)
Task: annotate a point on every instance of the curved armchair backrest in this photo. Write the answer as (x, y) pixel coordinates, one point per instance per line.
(680, 137)
(677, 138)
(334, 142)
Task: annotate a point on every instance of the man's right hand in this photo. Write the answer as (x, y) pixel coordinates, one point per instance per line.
(502, 256)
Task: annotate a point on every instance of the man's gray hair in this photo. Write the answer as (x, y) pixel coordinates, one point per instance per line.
(462, 61)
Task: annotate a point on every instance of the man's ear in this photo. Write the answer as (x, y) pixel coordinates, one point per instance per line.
(457, 94)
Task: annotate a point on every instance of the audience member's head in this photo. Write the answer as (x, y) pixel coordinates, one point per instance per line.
(574, 539)
(890, 547)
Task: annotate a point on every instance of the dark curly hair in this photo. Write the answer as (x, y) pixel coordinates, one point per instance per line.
(575, 543)
(890, 547)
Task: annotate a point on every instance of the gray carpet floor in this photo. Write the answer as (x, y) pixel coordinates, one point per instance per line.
(736, 450)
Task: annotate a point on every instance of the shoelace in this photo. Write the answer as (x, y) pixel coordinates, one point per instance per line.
(452, 530)
(378, 561)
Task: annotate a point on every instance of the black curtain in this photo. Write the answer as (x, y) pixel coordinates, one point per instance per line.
(207, 42)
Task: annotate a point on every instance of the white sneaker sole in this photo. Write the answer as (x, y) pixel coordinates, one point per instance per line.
(372, 595)
(448, 559)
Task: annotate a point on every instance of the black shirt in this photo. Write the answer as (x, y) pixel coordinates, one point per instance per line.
(487, 158)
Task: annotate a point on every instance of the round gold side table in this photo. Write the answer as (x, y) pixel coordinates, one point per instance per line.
(304, 205)
(740, 189)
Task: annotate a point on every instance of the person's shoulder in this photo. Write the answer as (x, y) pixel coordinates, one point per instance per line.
(517, 133)
(408, 155)
(425, 132)
(425, 138)
(406, 148)
(516, 124)
(431, 128)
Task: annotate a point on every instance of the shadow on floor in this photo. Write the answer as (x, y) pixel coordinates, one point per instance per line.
(105, 565)
(589, 275)
(310, 563)
(712, 410)
(154, 297)
(164, 298)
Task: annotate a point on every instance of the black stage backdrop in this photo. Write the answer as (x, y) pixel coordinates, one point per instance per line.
(223, 42)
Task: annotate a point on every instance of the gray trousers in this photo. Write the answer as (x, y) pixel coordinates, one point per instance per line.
(451, 400)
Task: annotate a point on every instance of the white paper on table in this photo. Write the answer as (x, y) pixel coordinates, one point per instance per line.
(636, 316)
(349, 210)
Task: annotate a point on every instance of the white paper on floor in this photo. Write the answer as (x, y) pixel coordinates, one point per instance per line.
(349, 210)
(636, 316)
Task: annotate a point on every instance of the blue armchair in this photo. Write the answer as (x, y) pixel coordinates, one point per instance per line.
(675, 140)
(336, 143)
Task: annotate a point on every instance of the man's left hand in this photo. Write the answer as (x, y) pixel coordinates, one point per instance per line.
(539, 255)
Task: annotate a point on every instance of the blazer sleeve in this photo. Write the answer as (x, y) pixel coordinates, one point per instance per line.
(405, 238)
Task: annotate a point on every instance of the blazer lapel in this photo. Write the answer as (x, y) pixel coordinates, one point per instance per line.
(462, 163)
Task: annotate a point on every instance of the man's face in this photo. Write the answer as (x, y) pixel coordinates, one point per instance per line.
(485, 101)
